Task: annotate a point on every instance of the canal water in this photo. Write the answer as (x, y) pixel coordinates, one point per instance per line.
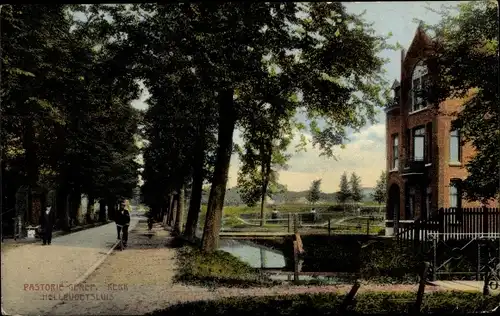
(256, 256)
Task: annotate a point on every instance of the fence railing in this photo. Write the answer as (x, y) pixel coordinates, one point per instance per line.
(309, 223)
(452, 223)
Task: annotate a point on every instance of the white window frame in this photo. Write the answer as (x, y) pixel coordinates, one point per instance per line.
(395, 152)
(418, 133)
(417, 83)
(455, 134)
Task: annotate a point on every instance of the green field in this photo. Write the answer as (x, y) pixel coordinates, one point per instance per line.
(354, 225)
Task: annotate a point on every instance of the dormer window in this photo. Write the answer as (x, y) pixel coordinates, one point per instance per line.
(396, 91)
(397, 94)
(419, 79)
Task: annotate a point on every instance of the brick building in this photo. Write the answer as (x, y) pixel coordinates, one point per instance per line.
(425, 159)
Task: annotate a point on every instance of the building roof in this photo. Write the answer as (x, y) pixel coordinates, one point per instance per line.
(395, 84)
(420, 37)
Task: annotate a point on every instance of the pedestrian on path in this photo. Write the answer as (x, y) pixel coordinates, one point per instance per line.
(122, 222)
(47, 223)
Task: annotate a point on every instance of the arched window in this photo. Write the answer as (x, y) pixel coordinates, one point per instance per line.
(419, 79)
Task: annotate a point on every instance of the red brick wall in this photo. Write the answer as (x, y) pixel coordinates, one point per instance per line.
(439, 172)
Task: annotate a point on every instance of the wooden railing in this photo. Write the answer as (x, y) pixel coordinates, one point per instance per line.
(452, 223)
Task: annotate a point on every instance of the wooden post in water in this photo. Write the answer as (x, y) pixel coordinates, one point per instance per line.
(421, 287)
(329, 227)
(350, 296)
(295, 261)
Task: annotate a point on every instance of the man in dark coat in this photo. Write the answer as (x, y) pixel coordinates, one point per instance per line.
(46, 223)
(122, 222)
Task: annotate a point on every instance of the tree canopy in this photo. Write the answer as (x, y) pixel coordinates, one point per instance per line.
(380, 192)
(344, 193)
(66, 113)
(355, 188)
(210, 68)
(466, 59)
(314, 193)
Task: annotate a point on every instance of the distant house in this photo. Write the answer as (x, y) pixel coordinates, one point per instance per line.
(425, 158)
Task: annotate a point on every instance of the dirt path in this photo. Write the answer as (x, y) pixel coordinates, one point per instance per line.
(33, 273)
(139, 280)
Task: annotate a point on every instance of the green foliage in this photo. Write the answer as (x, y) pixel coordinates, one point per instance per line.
(263, 157)
(369, 303)
(314, 191)
(355, 183)
(380, 193)
(237, 56)
(466, 61)
(345, 191)
(66, 104)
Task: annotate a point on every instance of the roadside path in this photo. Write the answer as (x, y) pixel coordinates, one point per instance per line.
(68, 258)
(143, 281)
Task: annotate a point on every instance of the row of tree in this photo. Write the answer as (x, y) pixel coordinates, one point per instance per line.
(213, 68)
(350, 190)
(66, 119)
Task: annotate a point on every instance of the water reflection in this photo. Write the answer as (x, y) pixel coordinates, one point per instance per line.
(256, 256)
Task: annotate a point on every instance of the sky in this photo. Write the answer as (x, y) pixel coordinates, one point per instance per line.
(365, 152)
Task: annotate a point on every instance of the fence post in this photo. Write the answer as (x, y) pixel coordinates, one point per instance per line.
(441, 224)
(487, 276)
(434, 271)
(295, 261)
(421, 287)
(350, 296)
(478, 270)
(368, 226)
(416, 233)
(329, 227)
(289, 222)
(485, 221)
(295, 223)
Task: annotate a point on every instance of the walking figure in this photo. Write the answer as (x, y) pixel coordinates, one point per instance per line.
(122, 222)
(47, 223)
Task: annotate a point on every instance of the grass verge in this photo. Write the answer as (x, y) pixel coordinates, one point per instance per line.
(216, 269)
(387, 303)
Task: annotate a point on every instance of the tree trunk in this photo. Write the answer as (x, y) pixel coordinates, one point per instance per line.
(102, 211)
(31, 166)
(180, 211)
(62, 209)
(265, 172)
(111, 209)
(90, 209)
(173, 208)
(227, 122)
(196, 192)
(166, 204)
(76, 203)
(158, 214)
(263, 194)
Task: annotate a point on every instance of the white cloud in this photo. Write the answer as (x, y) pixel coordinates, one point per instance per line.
(365, 155)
